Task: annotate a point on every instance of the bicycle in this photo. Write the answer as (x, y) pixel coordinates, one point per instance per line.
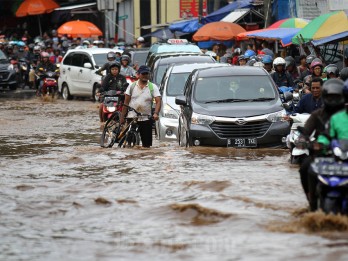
(130, 136)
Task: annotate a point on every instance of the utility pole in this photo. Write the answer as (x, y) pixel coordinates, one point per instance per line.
(268, 12)
(200, 10)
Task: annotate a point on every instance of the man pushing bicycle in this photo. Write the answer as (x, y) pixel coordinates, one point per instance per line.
(140, 95)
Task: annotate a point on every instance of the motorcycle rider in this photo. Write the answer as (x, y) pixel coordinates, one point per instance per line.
(267, 60)
(111, 57)
(280, 76)
(291, 67)
(344, 74)
(333, 99)
(311, 101)
(126, 70)
(242, 60)
(44, 66)
(112, 81)
(331, 71)
(306, 72)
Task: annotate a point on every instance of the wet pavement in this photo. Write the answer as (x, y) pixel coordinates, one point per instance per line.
(63, 197)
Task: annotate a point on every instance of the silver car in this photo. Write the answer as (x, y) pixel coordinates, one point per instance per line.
(172, 85)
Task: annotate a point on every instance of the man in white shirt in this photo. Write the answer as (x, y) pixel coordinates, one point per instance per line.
(139, 95)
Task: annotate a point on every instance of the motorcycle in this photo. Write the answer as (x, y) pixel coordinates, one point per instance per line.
(49, 82)
(111, 102)
(331, 173)
(286, 96)
(131, 79)
(296, 154)
(24, 72)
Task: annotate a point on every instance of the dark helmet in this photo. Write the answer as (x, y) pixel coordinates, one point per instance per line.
(344, 74)
(241, 57)
(111, 55)
(289, 61)
(115, 64)
(310, 58)
(125, 58)
(316, 62)
(251, 62)
(345, 93)
(332, 94)
(31, 46)
(332, 68)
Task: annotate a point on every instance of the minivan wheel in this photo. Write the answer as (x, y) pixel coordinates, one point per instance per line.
(13, 87)
(96, 90)
(65, 92)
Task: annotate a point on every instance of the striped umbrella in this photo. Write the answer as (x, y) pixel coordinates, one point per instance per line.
(323, 26)
(290, 23)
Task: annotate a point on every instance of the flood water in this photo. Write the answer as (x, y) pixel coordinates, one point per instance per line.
(63, 197)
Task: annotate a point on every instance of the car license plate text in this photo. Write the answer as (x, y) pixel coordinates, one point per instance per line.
(242, 143)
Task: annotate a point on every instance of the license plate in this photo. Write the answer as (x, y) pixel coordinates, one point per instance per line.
(242, 143)
(333, 169)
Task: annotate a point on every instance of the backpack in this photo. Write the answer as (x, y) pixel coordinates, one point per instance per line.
(150, 88)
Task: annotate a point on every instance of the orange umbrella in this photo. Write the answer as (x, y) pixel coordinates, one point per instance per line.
(36, 7)
(79, 29)
(221, 31)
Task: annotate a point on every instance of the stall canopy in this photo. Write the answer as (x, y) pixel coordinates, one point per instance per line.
(332, 39)
(323, 26)
(284, 35)
(192, 25)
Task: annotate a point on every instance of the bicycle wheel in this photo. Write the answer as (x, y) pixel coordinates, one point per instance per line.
(110, 131)
(130, 140)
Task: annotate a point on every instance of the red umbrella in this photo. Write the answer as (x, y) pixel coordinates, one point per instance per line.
(36, 7)
(221, 31)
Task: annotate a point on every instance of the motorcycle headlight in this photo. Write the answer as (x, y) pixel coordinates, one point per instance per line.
(202, 119)
(340, 154)
(111, 109)
(277, 116)
(169, 112)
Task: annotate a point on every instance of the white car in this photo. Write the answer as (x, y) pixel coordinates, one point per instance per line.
(172, 85)
(77, 72)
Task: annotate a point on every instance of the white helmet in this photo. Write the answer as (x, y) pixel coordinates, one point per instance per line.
(279, 61)
(140, 39)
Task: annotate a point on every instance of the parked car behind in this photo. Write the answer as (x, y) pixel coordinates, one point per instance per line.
(231, 106)
(77, 72)
(8, 75)
(172, 85)
(162, 61)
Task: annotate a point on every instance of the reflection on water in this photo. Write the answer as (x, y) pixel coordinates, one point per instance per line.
(62, 193)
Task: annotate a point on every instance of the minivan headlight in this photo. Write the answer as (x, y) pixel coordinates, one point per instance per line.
(277, 116)
(169, 112)
(202, 119)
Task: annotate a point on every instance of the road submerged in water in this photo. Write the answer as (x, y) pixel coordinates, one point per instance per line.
(63, 197)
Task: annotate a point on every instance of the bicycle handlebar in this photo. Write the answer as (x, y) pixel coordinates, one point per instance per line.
(137, 113)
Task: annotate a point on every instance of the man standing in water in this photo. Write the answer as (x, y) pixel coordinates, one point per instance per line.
(139, 95)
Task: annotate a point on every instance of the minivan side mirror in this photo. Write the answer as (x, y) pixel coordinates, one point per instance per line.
(87, 65)
(181, 100)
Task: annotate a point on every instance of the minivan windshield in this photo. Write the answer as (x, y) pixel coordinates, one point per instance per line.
(234, 88)
(100, 59)
(176, 83)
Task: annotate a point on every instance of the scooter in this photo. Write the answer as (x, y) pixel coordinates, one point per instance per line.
(331, 191)
(296, 154)
(49, 83)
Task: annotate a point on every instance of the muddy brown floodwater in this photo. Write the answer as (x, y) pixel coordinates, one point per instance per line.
(65, 198)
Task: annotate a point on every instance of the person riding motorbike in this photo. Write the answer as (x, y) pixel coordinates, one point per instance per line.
(280, 76)
(291, 68)
(127, 70)
(311, 101)
(267, 60)
(111, 57)
(333, 100)
(44, 66)
(331, 71)
(242, 60)
(309, 60)
(112, 81)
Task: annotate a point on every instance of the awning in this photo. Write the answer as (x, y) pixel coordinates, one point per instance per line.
(73, 7)
(283, 34)
(332, 39)
(235, 15)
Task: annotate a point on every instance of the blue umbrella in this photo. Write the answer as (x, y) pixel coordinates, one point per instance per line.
(163, 33)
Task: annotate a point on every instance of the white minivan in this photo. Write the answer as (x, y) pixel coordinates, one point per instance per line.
(77, 72)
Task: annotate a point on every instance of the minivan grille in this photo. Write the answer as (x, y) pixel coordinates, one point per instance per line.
(4, 75)
(233, 130)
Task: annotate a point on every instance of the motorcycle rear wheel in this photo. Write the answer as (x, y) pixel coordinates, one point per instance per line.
(110, 131)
